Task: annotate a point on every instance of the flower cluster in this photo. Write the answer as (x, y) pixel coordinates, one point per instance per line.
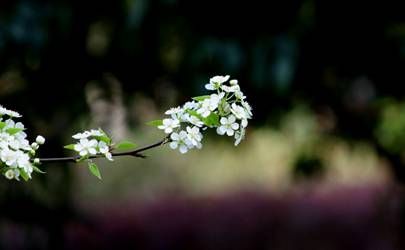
(226, 110)
(90, 143)
(17, 155)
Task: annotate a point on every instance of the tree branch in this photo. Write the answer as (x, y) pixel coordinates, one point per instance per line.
(134, 153)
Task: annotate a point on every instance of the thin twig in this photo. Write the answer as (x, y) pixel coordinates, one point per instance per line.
(134, 153)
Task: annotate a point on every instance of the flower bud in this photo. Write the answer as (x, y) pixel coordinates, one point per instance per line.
(36, 161)
(233, 82)
(34, 146)
(40, 139)
(9, 174)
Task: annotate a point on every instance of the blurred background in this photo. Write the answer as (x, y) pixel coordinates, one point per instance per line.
(323, 163)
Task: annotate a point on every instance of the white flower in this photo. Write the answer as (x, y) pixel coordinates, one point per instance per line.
(96, 132)
(248, 109)
(195, 121)
(194, 136)
(239, 94)
(105, 150)
(181, 141)
(83, 135)
(205, 109)
(174, 111)
(210, 104)
(190, 105)
(233, 82)
(216, 82)
(40, 139)
(230, 89)
(239, 135)
(238, 111)
(85, 147)
(169, 124)
(4, 111)
(9, 157)
(23, 161)
(228, 125)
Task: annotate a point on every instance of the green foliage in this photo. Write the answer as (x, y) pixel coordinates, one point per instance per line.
(94, 169)
(155, 123)
(125, 145)
(200, 98)
(212, 120)
(70, 146)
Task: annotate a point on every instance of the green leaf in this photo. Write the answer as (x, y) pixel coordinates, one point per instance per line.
(155, 123)
(36, 169)
(125, 145)
(2, 125)
(94, 170)
(201, 98)
(104, 138)
(24, 175)
(13, 131)
(212, 120)
(70, 146)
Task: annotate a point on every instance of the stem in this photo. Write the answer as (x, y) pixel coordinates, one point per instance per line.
(134, 153)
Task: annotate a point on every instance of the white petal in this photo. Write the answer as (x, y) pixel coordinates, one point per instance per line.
(173, 145)
(231, 119)
(168, 130)
(183, 149)
(92, 151)
(78, 147)
(223, 120)
(83, 153)
(235, 126)
(221, 130)
(229, 132)
(174, 136)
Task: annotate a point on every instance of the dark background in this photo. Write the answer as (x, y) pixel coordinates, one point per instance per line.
(342, 60)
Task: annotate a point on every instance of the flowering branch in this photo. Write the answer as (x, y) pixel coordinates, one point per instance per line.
(134, 153)
(226, 110)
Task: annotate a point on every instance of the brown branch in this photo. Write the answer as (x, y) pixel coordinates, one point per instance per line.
(134, 153)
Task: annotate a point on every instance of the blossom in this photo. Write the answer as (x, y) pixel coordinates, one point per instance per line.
(226, 110)
(181, 141)
(190, 105)
(174, 111)
(210, 104)
(238, 111)
(216, 82)
(169, 124)
(83, 135)
(228, 125)
(239, 135)
(195, 121)
(194, 136)
(105, 150)
(4, 111)
(86, 147)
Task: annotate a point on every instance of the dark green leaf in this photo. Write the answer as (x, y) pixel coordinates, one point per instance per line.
(94, 170)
